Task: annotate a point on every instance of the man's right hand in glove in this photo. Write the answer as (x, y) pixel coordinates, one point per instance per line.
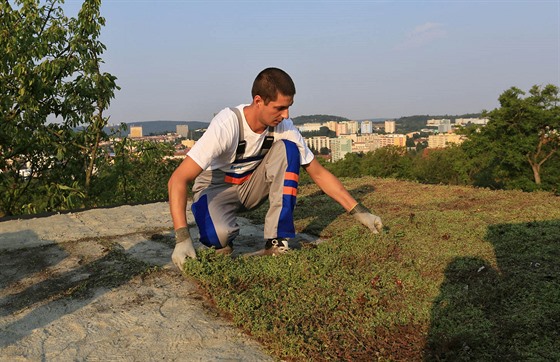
(183, 248)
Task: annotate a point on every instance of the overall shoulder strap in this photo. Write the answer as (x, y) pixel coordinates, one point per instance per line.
(268, 141)
(241, 143)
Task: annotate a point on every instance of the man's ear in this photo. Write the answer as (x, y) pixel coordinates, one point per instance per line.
(257, 100)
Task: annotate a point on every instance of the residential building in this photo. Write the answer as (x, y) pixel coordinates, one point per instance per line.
(443, 140)
(319, 142)
(364, 142)
(465, 121)
(183, 130)
(341, 128)
(310, 127)
(366, 127)
(353, 127)
(436, 122)
(188, 143)
(390, 126)
(444, 126)
(398, 140)
(363, 147)
(368, 137)
(351, 136)
(136, 132)
(331, 125)
(340, 147)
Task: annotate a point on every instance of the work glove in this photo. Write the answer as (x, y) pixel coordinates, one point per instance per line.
(183, 247)
(363, 215)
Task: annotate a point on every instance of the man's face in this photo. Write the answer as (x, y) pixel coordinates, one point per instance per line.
(274, 112)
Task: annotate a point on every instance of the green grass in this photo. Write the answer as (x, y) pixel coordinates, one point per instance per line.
(458, 274)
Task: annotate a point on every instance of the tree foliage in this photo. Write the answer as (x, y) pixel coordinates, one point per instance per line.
(520, 137)
(323, 131)
(53, 94)
(136, 173)
(441, 166)
(318, 118)
(517, 149)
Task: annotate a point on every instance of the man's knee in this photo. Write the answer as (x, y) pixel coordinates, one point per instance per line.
(288, 150)
(213, 231)
(284, 144)
(226, 235)
(219, 237)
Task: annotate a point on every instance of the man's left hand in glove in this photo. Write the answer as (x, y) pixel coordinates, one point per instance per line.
(363, 215)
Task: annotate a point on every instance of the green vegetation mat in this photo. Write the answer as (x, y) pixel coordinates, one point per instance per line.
(458, 274)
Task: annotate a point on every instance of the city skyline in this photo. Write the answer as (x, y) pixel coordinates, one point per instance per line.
(187, 60)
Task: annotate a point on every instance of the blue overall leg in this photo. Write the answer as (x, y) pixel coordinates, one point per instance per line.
(276, 177)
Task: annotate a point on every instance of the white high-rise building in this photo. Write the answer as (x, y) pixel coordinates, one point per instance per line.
(183, 130)
(366, 127)
(310, 127)
(319, 142)
(466, 121)
(444, 126)
(390, 126)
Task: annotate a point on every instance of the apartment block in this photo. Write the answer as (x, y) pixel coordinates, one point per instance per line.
(390, 126)
(350, 136)
(331, 125)
(136, 131)
(465, 121)
(366, 127)
(363, 147)
(368, 137)
(398, 140)
(444, 140)
(310, 127)
(436, 122)
(188, 143)
(340, 147)
(444, 126)
(319, 142)
(353, 127)
(182, 130)
(341, 128)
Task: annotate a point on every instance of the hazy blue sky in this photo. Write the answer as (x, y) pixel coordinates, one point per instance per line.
(186, 60)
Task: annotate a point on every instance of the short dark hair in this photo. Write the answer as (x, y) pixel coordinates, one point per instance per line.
(272, 81)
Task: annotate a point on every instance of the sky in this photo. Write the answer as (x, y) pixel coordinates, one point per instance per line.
(185, 60)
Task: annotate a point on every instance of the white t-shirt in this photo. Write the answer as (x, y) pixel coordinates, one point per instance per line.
(217, 147)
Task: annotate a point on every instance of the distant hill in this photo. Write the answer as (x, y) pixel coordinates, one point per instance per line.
(322, 118)
(160, 127)
(375, 120)
(318, 118)
(403, 124)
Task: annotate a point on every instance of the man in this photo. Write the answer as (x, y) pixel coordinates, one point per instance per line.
(247, 154)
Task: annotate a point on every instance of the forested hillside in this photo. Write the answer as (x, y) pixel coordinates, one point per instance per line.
(317, 118)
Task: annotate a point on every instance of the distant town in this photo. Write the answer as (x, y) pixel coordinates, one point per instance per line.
(342, 136)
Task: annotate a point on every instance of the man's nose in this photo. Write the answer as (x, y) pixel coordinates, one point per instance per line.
(286, 114)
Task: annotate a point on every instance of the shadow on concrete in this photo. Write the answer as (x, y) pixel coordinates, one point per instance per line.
(43, 284)
(18, 264)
